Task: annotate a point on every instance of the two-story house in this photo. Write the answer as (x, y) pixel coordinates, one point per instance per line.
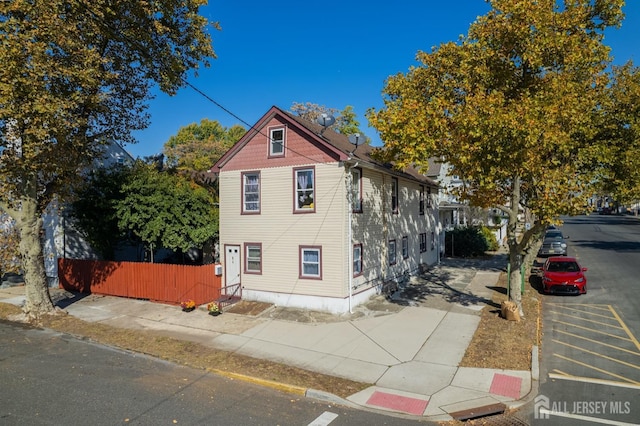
(308, 219)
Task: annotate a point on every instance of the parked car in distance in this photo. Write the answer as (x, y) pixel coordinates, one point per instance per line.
(605, 210)
(553, 244)
(563, 275)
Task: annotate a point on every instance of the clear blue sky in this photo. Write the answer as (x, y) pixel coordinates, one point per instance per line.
(326, 52)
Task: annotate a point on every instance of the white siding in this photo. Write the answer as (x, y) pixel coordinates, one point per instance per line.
(280, 232)
(376, 225)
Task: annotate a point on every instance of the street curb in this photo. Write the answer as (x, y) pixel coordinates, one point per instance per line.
(535, 381)
(330, 398)
(297, 390)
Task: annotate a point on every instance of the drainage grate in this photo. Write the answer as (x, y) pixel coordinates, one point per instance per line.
(497, 420)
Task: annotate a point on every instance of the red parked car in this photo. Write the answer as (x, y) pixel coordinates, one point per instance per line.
(563, 275)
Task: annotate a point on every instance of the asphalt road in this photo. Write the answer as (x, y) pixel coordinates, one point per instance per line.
(47, 378)
(590, 369)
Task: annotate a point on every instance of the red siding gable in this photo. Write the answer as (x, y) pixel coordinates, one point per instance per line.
(300, 148)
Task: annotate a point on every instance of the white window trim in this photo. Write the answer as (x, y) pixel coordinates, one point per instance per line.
(244, 193)
(405, 247)
(272, 141)
(297, 193)
(395, 190)
(423, 242)
(393, 249)
(359, 247)
(247, 246)
(302, 262)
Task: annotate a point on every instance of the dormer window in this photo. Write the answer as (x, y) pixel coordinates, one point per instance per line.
(276, 142)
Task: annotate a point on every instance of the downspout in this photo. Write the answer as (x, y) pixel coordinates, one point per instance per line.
(350, 231)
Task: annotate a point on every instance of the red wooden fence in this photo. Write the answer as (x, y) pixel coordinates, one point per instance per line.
(152, 281)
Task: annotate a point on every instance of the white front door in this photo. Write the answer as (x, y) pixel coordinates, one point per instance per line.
(231, 265)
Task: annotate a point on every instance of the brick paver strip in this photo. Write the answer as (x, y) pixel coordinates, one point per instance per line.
(505, 385)
(399, 403)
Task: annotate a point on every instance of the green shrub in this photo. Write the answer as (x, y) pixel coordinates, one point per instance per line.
(490, 237)
(466, 242)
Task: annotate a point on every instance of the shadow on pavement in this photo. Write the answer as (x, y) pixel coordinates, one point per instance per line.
(62, 298)
(448, 283)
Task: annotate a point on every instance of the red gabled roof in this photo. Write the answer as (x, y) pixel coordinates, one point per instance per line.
(334, 142)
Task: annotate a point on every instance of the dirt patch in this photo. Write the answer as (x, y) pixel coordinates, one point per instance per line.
(503, 344)
(247, 307)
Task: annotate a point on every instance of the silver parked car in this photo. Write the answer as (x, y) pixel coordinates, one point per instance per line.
(553, 244)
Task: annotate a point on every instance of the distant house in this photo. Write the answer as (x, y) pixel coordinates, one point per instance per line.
(453, 212)
(308, 219)
(61, 240)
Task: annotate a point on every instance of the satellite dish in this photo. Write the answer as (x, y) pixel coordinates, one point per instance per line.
(326, 120)
(356, 139)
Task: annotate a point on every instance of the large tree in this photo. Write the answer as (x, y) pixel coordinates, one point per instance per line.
(621, 178)
(165, 210)
(514, 108)
(198, 146)
(142, 204)
(73, 75)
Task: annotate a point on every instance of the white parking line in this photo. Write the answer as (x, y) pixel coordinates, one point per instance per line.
(591, 380)
(324, 419)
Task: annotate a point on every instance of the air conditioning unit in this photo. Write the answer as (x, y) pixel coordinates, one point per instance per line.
(218, 270)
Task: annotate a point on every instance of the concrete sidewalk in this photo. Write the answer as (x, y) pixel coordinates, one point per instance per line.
(409, 348)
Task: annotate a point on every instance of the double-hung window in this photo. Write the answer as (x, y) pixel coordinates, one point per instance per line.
(421, 207)
(356, 190)
(251, 192)
(276, 142)
(310, 262)
(405, 247)
(392, 252)
(423, 242)
(253, 258)
(394, 195)
(357, 260)
(305, 190)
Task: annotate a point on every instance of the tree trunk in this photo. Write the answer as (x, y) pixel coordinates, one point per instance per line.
(38, 299)
(515, 292)
(515, 256)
